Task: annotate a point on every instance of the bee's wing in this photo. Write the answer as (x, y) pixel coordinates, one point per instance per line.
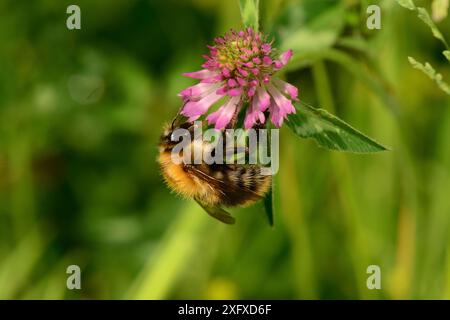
(217, 212)
(231, 188)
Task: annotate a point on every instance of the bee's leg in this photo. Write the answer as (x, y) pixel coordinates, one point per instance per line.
(233, 120)
(259, 126)
(234, 151)
(241, 152)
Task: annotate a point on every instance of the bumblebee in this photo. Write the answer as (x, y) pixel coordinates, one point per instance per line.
(213, 186)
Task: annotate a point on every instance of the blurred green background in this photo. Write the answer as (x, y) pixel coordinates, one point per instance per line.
(80, 116)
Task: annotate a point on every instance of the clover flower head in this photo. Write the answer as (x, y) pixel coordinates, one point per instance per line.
(239, 70)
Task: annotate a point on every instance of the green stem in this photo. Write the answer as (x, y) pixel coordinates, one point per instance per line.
(347, 190)
(175, 254)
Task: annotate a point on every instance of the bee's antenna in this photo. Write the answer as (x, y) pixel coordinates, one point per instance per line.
(173, 121)
(233, 120)
(178, 113)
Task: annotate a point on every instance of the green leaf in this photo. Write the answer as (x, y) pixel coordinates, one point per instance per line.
(423, 14)
(408, 4)
(329, 131)
(268, 205)
(447, 54)
(250, 13)
(429, 71)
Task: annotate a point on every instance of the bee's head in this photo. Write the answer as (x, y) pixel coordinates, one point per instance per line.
(173, 133)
